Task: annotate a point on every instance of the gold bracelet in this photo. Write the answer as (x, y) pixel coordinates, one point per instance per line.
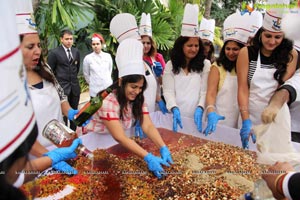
(276, 182)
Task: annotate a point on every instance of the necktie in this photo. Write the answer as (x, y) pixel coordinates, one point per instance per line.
(69, 56)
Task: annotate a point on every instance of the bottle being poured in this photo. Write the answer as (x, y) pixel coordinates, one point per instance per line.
(62, 136)
(86, 112)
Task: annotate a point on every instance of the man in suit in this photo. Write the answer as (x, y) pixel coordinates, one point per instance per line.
(65, 63)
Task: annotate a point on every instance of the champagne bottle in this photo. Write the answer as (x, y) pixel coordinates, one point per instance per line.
(62, 136)
(93, 105)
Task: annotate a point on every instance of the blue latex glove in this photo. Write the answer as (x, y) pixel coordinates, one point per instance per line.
(198, 118)
(64, 153)
(154, 164)
(176, 118)
(71, 116)
(212, 121)
(166, 155)
(72, 113)
(138, 131)
(162, 106)
(64, 167)
(157, 68)
(245, 133)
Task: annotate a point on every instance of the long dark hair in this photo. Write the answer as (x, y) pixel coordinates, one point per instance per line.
(211, 53)
(280, 57)
(224, 61)
(178, 58)
(8, 191)
(40, 67)
(137, 104)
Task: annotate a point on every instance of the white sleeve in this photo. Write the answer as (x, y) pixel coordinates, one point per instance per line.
(86, 69)
(110, 64)
(168, 84)
(204, 78)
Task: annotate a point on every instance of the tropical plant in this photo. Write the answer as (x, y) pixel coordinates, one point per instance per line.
(55, 15)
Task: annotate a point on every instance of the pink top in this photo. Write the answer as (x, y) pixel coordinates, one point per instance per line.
(158, 58)
(110, 110)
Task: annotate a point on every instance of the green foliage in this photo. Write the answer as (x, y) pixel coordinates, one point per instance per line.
(83, 84)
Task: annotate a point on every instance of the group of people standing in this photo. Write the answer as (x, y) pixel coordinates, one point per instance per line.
(234, 89)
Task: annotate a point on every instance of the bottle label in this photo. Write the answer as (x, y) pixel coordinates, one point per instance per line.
(59, 134)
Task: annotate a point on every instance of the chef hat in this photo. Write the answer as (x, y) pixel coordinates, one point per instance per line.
(16, 113)
(190, 21)
(291, 24)
(256, 20)
(276, 10)
(124, 26)
(237, 28)
(98, 37)
(129, 57)
(207, 29)
(24, 15)
(145, 25)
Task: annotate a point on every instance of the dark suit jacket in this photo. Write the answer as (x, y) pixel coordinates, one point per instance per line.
(65, 72)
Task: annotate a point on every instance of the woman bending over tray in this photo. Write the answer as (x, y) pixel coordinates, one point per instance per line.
(125, 106)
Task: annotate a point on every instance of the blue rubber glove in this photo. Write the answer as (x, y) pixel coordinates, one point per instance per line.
(64, 153)
(154, 164)
(198, 118)
(212, 121)
(138, 131)
(166, 155)
(162, 106)
(176, 118)
(245, 133)
(64, 167)
(157, 68)
(72, 113)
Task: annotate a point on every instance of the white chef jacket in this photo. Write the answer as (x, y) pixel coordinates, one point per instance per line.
(97, 70)
(185, 91)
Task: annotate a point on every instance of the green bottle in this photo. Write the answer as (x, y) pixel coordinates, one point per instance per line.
(93, 105)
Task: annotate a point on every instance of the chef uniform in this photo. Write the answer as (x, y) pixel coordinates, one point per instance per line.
(186, 91)
(97, 69)
(46, 101)
(16, 113)
(235, 29)
(150, 94)
(124, 26)
(263, 85)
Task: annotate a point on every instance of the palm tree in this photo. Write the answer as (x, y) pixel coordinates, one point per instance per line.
(55, 15)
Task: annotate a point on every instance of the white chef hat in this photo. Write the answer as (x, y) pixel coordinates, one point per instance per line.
(276, 9)
(124, 26)
(207, 29)
(236, 27)
(190, 21)
(24, 16)
(16, 113)
(256, 20)
(145, 25)
(291, 24)
(129, 57)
